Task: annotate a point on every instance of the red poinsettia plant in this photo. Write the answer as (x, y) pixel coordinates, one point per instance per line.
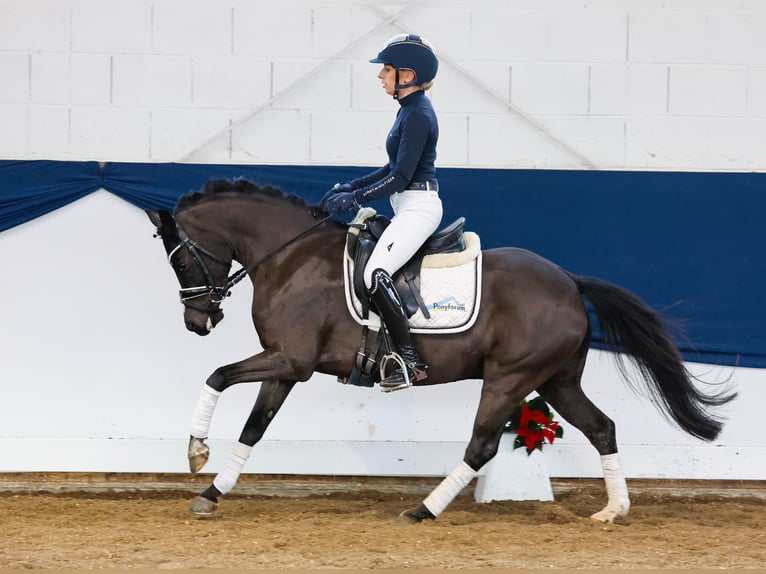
(533, 424)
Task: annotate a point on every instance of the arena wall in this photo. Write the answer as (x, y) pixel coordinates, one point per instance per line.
(98, 372)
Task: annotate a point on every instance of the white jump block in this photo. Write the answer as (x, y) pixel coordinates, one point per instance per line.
(514, 475)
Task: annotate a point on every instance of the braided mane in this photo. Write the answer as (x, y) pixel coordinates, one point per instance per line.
(239, 185)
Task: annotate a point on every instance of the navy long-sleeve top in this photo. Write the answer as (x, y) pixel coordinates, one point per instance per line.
(411, 148)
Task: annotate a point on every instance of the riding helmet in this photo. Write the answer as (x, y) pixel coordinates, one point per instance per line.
(411, 52)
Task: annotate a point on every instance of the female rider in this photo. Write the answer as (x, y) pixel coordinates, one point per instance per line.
(409, 180)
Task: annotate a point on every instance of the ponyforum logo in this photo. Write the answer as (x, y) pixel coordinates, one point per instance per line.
(448, 305)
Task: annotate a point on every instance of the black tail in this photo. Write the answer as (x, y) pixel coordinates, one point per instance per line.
(631, 326)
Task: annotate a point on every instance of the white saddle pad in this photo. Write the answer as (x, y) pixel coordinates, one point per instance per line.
(450, 285)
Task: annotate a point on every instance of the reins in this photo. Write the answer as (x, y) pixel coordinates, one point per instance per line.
(239, 275)
(220, 293)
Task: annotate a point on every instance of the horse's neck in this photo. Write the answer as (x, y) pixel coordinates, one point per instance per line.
(254, 229)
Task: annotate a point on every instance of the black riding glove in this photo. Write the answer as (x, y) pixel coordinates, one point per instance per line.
(341, 188)
(341, 202)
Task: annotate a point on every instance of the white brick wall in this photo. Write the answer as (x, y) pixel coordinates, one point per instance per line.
(617, 84)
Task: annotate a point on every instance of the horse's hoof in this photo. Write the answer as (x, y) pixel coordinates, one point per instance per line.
(608, 514)
(198, 454)
(203, 507)
(415, 515)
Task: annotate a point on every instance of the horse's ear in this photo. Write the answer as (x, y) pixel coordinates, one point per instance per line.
(164, 222)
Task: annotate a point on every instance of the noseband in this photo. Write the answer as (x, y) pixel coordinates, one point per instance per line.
(218, 294)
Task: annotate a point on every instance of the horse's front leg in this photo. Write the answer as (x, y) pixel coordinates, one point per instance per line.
(270, 398)
(261, 367)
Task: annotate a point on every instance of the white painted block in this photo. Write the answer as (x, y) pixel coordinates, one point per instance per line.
(267, 30)
(588, 36)
(13, 142)
(151, 81)
(514, 475)
(609, 89)
(708, 91)
(367, 93)
(90, 81)
(50, 78)
(112, 26)
(479, 86)
(636, 89)
(686, 143)
(38, 26)
(550, 88)
(452, 149)
(108, 133)
(313, 84)
(736, 39)
(48, 134)
(350, 138)
(175, 133)
(191, 27)
(507, 141)
(508, 34)
(647, 89)
(756, 92)
(332, 29)
(230, 81)
(659, 37)
(14, 79)
(600, 139)
(272, 136)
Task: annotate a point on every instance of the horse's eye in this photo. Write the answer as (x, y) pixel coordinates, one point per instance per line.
(182, 266)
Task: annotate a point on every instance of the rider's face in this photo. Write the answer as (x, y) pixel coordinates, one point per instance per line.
(387, 76)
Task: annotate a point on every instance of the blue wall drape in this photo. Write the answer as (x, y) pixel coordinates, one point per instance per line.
(690, 244)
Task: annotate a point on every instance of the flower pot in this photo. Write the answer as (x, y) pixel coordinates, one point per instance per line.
(514, 475)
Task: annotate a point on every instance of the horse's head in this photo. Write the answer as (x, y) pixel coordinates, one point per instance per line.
(202, 274)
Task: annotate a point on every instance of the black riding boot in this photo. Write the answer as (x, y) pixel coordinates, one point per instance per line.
(386, 300)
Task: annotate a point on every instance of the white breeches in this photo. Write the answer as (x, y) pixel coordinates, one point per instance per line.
(417, 214)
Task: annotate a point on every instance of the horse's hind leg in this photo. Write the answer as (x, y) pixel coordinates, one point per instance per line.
(498, 400)
(270, 398)
(564, 393)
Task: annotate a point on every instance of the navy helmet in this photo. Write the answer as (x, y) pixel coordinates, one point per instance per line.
(410, 52)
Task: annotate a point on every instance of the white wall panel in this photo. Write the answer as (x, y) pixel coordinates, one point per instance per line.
(231, 82)
(111, 26)
(756, 92)
(50, 78)
(588, 36)
(48, 130)
(654, 60)
(14, 81)
(660, 36)
(736, 39)
(708, 91)
(152, 81)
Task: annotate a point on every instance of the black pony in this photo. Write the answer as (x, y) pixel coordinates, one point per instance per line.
(531, 334)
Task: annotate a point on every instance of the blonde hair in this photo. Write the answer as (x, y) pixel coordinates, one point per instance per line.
(427, 85)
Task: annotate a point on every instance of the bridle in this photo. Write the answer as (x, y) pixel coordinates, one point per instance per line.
(218, 293)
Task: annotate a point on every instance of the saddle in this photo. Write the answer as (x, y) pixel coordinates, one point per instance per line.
(363, 235)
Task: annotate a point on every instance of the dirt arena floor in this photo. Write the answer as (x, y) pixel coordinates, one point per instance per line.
(88, 522)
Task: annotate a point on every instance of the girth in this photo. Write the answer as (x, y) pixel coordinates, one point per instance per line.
(361, 241)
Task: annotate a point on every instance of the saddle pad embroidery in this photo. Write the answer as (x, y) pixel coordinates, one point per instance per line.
(451, 294)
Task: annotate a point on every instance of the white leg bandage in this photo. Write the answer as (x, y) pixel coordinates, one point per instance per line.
(449, 488)
(227, 478)
(616, 487)
(203, 412)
